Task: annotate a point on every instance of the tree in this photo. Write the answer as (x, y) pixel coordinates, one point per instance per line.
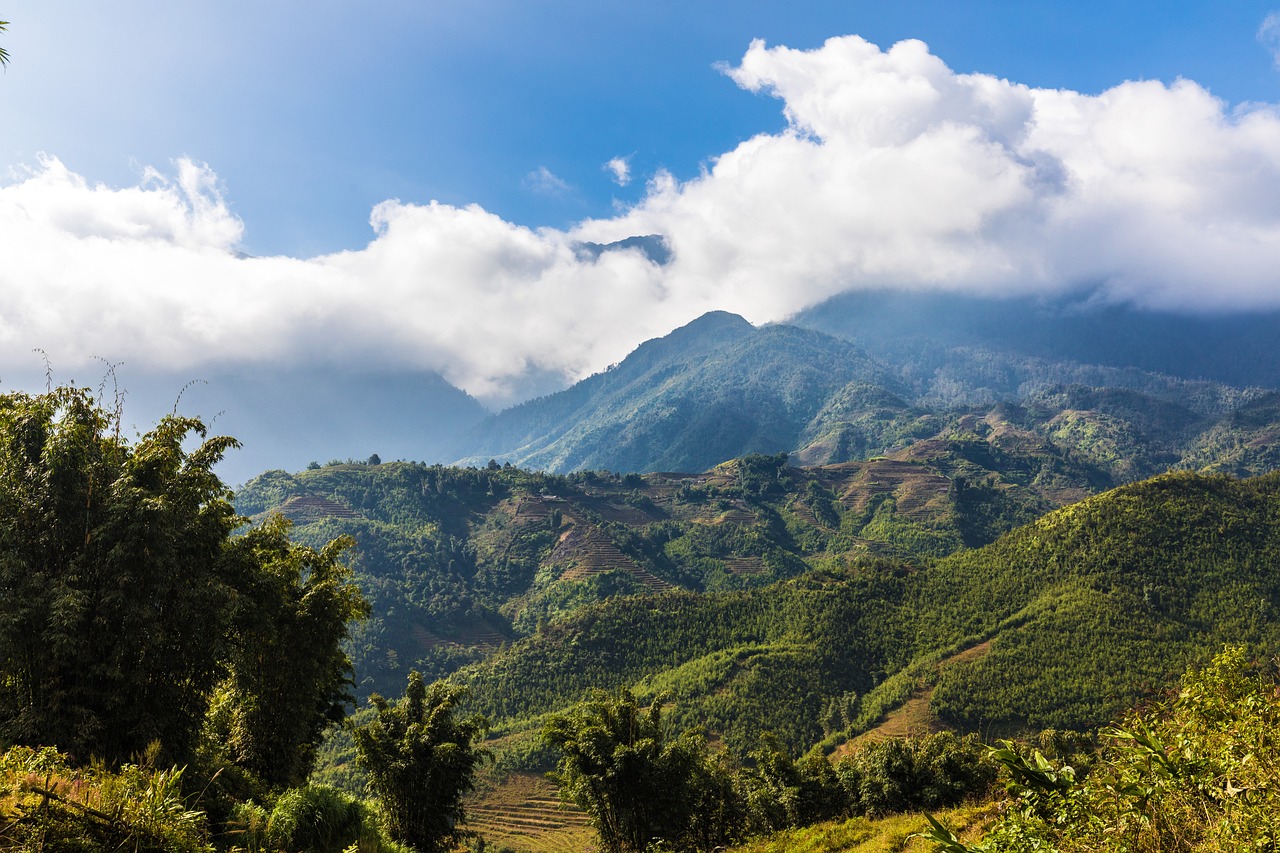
(618, 765)
(4, 54)
(421, 759)
(114, 587)
(288, 672)
(125, 599)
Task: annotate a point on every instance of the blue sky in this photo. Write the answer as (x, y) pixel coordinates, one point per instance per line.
(403, 184)
(313, 112)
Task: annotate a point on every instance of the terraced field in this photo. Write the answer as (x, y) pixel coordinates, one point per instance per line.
(303, 508)
(589, 552)
(918, 492)
(524, 813)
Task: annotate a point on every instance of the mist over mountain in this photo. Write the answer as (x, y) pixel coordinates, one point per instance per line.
(1237, 348)
(287, 418)
(1131, 391)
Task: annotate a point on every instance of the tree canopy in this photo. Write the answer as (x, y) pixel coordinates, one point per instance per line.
(125, 598)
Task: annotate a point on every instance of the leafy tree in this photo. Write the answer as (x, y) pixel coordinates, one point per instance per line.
(618, 764)
(125, 599)
(115, 590)
(289, 674)
(421, 759)
(785, 793)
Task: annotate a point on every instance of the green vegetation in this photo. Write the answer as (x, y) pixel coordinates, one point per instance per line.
(129, 606)
(421, 760)
(637, 784)
(704, 657)
(1199, 771)
(140, 631)
(641, 786)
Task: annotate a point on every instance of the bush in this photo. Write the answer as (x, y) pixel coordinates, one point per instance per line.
(1199, 771)
(905, 774)
(317, 819)
(45, 804)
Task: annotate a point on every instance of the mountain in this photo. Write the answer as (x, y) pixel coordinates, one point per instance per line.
(764, 596)
(910, 368)
(713, 390)
(926, 329)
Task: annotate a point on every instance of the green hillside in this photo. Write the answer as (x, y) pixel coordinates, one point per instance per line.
(1076, 615)
(715, 389)
(807, 602)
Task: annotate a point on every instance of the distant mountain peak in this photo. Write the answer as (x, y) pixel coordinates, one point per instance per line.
(653, 246)
(719, 319)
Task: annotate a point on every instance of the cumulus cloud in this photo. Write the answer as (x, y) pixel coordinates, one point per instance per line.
(894, 171)
(620, 169)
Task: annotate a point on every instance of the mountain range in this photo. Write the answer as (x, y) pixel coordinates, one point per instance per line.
(719, 388)
(831, 531)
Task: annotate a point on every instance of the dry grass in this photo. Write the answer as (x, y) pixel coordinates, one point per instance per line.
(864, 835)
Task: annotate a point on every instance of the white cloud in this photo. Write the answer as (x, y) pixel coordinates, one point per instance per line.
(894, 171)
(542, 180)
(620, 169)
(1269, 36)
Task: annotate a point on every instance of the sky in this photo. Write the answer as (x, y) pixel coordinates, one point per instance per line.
(408, 184)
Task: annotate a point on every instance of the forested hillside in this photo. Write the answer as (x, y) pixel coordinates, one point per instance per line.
(719, 388)
(1060, 624)
(807, 602)
(954, 583)
(715, 389)
(822, 605)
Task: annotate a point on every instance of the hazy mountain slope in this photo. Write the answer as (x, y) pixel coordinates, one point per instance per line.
(713, 390)
(286, 418)
(1236, 349)
(1245, 441)
(719, 388)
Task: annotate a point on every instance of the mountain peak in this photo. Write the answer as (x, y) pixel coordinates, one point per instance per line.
(718, 320)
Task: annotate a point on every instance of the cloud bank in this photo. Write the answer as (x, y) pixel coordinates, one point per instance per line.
(894, 171)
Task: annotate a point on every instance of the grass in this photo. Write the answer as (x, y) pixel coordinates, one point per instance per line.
(865, 835)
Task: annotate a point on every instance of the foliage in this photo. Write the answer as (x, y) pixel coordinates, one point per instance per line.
(638, 784)
(46, 804)
(421, 759)
(897, 775)
(127, 599)
(1197, 771)
(289, 673)
(316, 819)
(117, 589)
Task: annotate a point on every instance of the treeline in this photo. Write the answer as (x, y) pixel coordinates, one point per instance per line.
(646, 788)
